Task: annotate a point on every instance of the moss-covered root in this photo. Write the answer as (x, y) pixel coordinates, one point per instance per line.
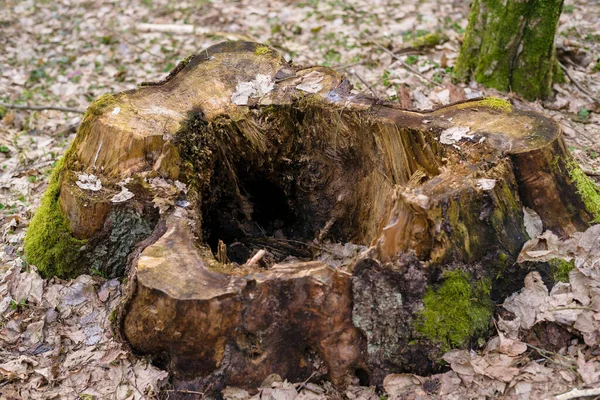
(509, 45)
(49, 243)
(456, 311)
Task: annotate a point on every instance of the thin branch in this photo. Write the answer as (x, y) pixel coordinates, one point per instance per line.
(344, 66)
(571, 308)
(542, 351)
(366, 84)
(305, 382)
(575, 393)
(137, 46)
(406, 66)
(41, 108)
(577, 84)
(183, 391)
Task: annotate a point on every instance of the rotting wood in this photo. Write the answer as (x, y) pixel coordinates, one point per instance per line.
(361, 212)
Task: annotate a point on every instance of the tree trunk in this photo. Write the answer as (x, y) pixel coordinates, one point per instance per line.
(272, 222)
(509, 45)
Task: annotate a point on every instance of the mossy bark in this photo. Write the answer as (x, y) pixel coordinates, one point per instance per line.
(290, 174)
(49, 241)
(509, 45)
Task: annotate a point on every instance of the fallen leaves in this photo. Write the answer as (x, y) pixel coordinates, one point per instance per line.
(256, 88)
(311, 82)
(78, 67)
(60, 340)
(455, 134)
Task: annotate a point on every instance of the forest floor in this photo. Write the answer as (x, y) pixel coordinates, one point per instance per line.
(55, 339)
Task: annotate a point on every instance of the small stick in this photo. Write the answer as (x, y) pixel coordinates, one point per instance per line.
(183, 391)
(41, 108)
(257, 257)
(577, 84)
(575, 393)
(305, 382)
(339, 67)
(406, 66)
(366, 84)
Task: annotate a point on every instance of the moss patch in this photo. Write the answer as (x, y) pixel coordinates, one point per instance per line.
(496, 104)
(456, 311)
(49, 242)
(429, 40)
(560, 269)
(261, 50)
(100, 105)
(489, 102)
(587, 189)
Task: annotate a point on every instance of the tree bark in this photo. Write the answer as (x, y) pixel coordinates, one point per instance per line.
(509, 45)
(297, 228)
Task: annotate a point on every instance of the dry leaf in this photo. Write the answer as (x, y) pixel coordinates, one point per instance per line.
(455, 135)
(311, 82)
(533, 222)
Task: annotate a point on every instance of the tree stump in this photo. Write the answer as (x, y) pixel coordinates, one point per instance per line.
(272, 222)
(509, 45)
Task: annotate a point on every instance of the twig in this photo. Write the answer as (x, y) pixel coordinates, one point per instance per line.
(344, 66)
(366, 84)
(161, 58)
(257, 257)
(570, 308)
(406, 66)
(183, 391)
(575, 393)
(171, 28)
(187, 29)
(40, 108)
(305, 382)
(577, 84)
(541, 351)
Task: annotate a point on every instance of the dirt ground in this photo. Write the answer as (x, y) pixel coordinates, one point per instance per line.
(55, 340)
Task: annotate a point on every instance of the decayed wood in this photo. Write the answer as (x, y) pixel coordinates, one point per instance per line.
(273, 180)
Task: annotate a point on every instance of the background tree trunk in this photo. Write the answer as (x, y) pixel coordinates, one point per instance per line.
(509, 45)
(273, 222)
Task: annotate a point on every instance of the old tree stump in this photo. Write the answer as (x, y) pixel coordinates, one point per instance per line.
(271, 222)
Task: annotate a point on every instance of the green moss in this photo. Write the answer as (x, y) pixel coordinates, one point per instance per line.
(456, 311)
(560, 269)
(508, 45)
(558, 76)
(261, 50)
(429, 40)
(496, 104)
(489, 102)
(49, 243)
(100, 105)
(587, 189)
(3, 111)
